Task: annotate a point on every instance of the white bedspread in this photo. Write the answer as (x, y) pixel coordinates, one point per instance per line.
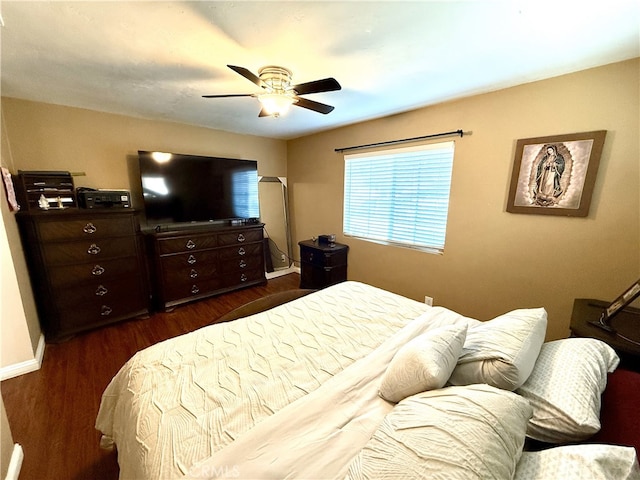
(179, 402)
(318, 435)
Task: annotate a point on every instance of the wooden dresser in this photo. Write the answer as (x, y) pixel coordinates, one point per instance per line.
(87, 268)
(200, 262)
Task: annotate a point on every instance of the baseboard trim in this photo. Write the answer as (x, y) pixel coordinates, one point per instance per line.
(27, 366)
(15, 464)
(280, 273)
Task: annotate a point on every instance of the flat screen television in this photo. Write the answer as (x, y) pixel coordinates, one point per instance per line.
(187, 189)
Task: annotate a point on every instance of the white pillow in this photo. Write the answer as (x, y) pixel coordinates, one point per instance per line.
(502, 352)
(472, 432)
(424, 363)
(564, 389)
(579, 462)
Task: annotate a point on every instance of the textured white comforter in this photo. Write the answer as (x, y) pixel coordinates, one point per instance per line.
(179, 402)
(318, 435)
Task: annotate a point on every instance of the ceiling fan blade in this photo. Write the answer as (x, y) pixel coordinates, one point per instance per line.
(248, 75)
(311, 105)
(230, 95)
(317, 86)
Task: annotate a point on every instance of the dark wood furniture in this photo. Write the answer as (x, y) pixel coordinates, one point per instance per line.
(200, 262)
(55, 187)
(86, 267)
(321, 264)
(625, 339)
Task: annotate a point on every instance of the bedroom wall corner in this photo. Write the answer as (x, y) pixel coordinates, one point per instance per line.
(21, 338)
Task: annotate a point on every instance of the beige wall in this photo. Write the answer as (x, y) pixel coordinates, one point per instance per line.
(495, 261)
(39, 136)
(19, 326)
(105, 146)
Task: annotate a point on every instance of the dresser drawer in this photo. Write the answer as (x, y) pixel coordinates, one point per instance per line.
(194, 289)
(89, 227)
(322, 277)
(68, 275)
(199, 272)
(237, 238)
(247, 262)
(323, 258)
(231, 253)
(186, 243)
(194, 259)
(90, 250)
(242, 277)
(110, 291)
(86, 315)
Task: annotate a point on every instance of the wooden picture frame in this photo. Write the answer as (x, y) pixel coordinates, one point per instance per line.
(625, 298)
(555, 175)
(615, 307)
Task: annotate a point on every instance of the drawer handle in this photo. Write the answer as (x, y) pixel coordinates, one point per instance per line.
(243, 278)
(193, 273)
(195, 289)
(190, 245)
(93, 249)
(241, 251)
(191, 260)
(105, 311)
(89, 228)
(241, 238)
(97, 270)
(242, 263)
(101, 291)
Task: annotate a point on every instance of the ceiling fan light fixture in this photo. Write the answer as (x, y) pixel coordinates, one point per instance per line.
(276, 104)
(279, 93)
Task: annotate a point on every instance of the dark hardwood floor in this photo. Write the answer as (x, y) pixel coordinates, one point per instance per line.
(52, 411)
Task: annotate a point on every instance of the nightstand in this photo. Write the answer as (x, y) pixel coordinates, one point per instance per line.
(322, 264)
(625, 340)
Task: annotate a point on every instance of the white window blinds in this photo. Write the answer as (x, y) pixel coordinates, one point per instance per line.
(399, 196)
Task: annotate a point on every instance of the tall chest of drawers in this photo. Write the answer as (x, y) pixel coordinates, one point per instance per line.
(194, 264)
(87, 268)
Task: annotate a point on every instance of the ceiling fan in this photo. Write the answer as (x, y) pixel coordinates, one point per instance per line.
(278, 92)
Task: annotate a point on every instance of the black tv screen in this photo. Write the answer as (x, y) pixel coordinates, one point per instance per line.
(179, 188)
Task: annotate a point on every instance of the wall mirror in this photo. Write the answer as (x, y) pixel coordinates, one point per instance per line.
(274, 213)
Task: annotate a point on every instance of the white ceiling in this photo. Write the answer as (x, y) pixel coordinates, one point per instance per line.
(155, 59)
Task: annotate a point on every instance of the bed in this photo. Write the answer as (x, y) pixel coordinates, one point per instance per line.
(355, 382)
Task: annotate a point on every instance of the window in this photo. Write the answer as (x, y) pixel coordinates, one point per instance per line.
(400, 196)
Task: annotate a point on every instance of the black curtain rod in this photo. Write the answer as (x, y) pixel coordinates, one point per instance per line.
(391, 142)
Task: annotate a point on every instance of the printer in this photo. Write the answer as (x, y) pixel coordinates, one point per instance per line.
(91, 198)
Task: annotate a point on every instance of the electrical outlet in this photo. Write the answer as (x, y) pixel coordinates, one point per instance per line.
(428, 300)
(283, 258)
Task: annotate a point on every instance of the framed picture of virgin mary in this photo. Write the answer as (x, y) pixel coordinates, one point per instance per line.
(555, 175)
